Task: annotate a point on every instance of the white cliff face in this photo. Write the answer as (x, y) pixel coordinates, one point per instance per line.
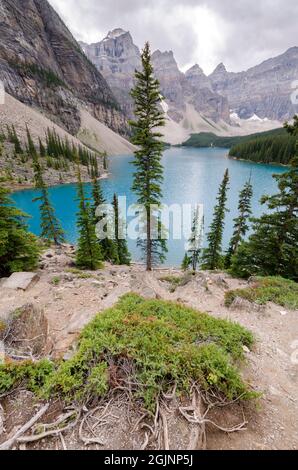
(205, 100)
(117, 58)
(116, 53)
(171, 82)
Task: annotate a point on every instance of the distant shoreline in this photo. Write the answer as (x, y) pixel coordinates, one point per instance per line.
(15, 188)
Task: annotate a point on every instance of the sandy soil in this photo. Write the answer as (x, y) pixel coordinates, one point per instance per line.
(70, 301)
(99, 137)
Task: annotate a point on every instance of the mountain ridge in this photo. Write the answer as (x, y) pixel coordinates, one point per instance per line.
(263, 90)
(117, 57)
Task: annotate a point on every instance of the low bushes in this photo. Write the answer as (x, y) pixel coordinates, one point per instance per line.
(151, 344)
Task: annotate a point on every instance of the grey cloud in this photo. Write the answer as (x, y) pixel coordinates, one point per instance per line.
(249, 30)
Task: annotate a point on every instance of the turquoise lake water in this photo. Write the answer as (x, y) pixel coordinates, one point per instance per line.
(191, 176)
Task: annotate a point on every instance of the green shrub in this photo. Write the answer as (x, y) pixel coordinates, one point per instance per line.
(32, 376)
(177, 281)
(268, 289)
(161, 343)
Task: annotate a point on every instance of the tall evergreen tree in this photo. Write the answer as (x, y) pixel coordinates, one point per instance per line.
(241, 222)
(15, 140)
(212, 255)
(50, 226)
(105, 161)
(192, 257)
(148, 176)
(18, 248)
(121, 243)
(42, 149)
(108, 246)
(30, 144)
(292, 129)
(89, 254)
(272, 249)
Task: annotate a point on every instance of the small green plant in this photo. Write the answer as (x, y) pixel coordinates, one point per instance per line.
(177, 281)
(80, 274)
(268, 289)
(55, 281)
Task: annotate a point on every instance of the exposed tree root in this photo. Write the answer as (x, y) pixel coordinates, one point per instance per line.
(155, 431)
(196, 414)
(53, 429)
(10, 442)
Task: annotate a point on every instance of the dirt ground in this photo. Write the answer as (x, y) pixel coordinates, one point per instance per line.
(69, 300)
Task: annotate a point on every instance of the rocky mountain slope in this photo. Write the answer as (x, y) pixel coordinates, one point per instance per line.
(42, 65)
(264, 90)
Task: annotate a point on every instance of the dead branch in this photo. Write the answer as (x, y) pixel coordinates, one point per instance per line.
(172, 395)
(62, 441)
(165, 430)
(10, 442)
(94, 440)
(54, 432)
(194, 416)
(146, 442)
(139, 421)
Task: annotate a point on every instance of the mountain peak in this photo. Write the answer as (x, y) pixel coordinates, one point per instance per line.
(194, 70)
(159, 53)
(221, 68)
(165, 61)
(292, 49)
(116, 33)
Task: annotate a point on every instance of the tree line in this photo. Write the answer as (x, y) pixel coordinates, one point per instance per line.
(272, 149)
(57, 152)
(20, 250)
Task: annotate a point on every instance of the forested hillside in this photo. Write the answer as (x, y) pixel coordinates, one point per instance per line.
(208, 139)
(271, 149)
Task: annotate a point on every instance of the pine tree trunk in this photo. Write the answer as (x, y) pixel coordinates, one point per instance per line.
(149, 247)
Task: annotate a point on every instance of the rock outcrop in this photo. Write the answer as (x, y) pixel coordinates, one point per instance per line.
(172, 82)
(201, 95)
(42, 65)
(117, 58)
(264, 90)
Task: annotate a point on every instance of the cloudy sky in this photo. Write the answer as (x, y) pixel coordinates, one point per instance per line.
(240, 33)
